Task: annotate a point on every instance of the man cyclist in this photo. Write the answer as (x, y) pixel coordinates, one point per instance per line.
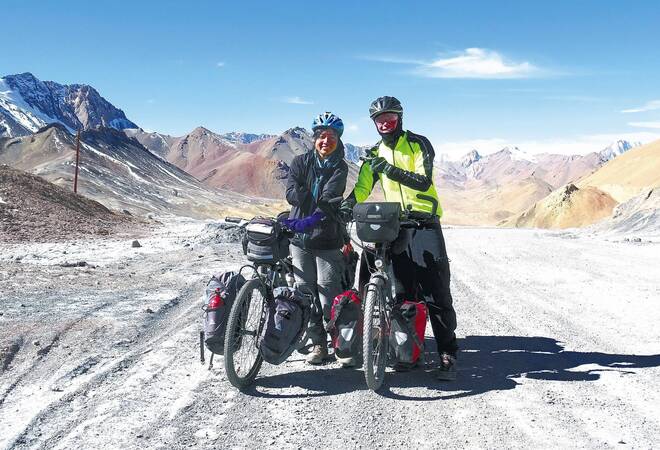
(403, 162)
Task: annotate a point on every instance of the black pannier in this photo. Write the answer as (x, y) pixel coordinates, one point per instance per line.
(287, 316)
(221, 291)
(265, 242)
(377, 222)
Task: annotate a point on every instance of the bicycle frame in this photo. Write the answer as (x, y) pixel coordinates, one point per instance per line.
(382, 278)
(268, 275)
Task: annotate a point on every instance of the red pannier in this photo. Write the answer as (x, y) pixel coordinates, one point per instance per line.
(345, 325)
(407, 333)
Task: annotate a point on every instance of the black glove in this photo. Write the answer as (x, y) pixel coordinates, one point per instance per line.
(380, 165)
(345, 212)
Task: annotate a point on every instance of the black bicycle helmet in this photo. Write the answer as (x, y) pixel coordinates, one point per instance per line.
(385, 104)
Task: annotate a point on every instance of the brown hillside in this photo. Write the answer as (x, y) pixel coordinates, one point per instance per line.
(628, 175)
(33, 209)
(566, 207)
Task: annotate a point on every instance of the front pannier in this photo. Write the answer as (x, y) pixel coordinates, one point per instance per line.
(377, 222)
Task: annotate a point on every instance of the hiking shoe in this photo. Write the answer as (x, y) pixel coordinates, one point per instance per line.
(347, 362)
(317, 355)
(447, 367)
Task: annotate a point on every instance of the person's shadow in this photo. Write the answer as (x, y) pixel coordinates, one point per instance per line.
(486, 363)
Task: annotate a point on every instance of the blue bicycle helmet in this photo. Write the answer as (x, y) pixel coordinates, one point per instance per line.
(328, 120)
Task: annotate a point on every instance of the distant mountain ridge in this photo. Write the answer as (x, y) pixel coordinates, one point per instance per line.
(250, 164)
(27, 104)
(629, 180)
(117, 171)
(476, 189)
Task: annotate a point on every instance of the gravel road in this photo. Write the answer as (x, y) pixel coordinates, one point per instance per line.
(559, 348)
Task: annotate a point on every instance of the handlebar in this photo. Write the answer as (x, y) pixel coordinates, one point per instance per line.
(433, 201)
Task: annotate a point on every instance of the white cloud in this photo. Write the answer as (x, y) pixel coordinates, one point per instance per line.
(151, 101)
(352, 127)
(580, 145)
(645, 124)
(469, 63)
(220, 64)
(297, 101)
(476, 63)
(648, 106)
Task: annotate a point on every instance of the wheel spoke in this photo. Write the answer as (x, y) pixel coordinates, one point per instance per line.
(242, 358)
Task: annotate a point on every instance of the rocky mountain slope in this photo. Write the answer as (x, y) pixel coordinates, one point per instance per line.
(639, 216)
(120, 173)
(28, 104)
(34, 210)
(567, 207)
(629, 174)
(489, 189)
(629, 179)
(256, 165)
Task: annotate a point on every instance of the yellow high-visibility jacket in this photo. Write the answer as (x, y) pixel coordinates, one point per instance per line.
(412, 173)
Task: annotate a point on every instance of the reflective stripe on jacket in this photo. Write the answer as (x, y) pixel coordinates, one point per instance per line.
(412, 158)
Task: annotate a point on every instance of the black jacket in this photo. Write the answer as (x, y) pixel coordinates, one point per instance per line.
(329, 233)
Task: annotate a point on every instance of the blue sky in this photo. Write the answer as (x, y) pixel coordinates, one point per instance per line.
(546, 76)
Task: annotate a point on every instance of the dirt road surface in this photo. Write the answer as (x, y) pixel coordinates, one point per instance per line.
(559, 348)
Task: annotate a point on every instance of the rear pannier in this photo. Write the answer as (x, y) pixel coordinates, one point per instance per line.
(287, 316)
(221, 291)
(377, 222)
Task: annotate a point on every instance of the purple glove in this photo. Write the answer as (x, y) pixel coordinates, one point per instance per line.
(305, 224)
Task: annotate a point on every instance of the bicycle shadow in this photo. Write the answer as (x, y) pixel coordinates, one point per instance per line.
(486, 363)
(321, 381)
(492, 363)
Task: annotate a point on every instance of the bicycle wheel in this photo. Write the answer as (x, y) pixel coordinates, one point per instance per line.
(375, 336)
(242, 357)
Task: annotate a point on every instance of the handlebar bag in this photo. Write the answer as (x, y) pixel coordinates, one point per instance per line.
(377, 222)
(264, 241)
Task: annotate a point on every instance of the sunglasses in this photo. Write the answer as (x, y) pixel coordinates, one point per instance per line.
(386, 117)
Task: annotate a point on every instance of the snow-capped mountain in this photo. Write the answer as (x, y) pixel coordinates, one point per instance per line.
(245, 138)
(617, 148)
(28, 104)
(517, 154)
(353, 152)
(470, 158)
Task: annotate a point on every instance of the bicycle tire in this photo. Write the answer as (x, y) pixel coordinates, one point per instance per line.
(374, 322)
(235, 333)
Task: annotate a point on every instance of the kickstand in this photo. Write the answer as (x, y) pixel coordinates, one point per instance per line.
(211, 361)
(201, 347)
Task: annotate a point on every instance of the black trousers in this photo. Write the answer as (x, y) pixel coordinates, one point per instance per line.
(421, 266)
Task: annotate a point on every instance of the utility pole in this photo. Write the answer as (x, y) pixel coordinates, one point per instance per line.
(75, 179)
